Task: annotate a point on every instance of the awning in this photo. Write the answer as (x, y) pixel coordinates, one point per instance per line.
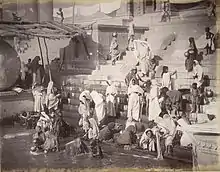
(49, 30)
(184, 1)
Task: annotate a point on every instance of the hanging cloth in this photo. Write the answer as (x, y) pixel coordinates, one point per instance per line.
(109, 7)
(86, 10)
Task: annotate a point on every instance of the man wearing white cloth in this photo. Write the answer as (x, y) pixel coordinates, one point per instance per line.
(134, 103)
(111, 93)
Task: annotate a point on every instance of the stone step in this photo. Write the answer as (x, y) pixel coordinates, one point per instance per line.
(76, 71)
(90, 64)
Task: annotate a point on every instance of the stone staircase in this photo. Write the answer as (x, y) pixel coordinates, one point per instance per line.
(83, 74)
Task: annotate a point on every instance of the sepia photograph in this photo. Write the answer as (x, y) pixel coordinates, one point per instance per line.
(109, 85)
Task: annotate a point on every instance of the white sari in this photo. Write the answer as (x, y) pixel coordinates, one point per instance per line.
(93, 132)
(99, 105)
(37, 99)
(134, 103)
(154, 106)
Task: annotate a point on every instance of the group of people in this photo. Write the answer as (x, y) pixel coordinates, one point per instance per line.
(32, 73)
(47, 104)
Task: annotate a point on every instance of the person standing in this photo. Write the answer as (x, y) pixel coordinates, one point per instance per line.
(84, 109)
(195, 98)
(114, 48)
(166, 11)
(132, 75)
(111, 92)
(130, 33)
(60, 13)
(193, 47)
(210, 47)
(198, 73)
(166, 77)
(34, 67)
(154, 107)
(144, 55)
(188, 62)
(99, 106)
(134, 104)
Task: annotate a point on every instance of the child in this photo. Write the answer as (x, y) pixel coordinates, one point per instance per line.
(60, 13)
(147, 140)
(166, 77)
(195, 98)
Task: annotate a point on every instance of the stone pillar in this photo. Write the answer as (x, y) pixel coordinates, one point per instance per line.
(45, 10)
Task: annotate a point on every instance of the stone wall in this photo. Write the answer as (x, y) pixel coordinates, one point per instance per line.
(12, 104)
(105, 36)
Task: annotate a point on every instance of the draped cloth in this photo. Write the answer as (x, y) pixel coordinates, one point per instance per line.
(198, 71)
(111, 92)
(134, 103)
(187, 137)
(144, 54)
(52, 100)
(37, 99)
(114, 49)
(168, 127)
(154, 106)
(99, 105)
(83, 109)
(93, 132)
(166, 80)
(86, 10)
(110, 7)
(147, 142)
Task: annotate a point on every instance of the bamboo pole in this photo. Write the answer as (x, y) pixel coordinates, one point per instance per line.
(48, 62)
(41, 54)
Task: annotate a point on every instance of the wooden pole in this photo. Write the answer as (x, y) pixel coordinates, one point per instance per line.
(41, 54)
(48, 62)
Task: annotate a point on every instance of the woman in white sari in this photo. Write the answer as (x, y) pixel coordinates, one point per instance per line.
(111, 92)
(37, 94)
(168, 127)
(52, 98)
(99, 106)
(154, 106)
(84, 109)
